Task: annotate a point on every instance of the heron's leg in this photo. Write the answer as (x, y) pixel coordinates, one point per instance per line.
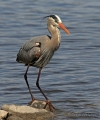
(25, 76)
(47, 100)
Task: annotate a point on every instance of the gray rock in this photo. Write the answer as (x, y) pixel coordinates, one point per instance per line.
(33, 112)
(21, 109)
(3, 114)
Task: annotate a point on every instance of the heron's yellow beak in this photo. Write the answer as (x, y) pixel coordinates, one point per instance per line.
(64, 28)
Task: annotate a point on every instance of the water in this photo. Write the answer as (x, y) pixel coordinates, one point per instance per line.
(72, 78)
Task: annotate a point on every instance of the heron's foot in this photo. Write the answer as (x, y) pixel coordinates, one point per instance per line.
(33, 99)
(51, 107)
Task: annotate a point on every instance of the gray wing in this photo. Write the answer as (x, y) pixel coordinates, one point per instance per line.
(31, 50)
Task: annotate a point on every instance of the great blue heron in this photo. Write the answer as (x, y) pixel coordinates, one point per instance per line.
(39, 50)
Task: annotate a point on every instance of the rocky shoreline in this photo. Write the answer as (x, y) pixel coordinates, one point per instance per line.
(23, 112)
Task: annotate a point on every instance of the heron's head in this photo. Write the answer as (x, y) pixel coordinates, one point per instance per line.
(57, 22)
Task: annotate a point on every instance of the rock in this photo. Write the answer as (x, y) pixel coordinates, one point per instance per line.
(14, 117)
(21, 109)
(40, 105)
(23, 112)
(3, 114)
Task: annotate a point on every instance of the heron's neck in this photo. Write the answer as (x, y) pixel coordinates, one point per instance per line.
(55, 34)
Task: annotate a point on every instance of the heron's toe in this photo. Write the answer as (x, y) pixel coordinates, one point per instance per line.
(49, 104)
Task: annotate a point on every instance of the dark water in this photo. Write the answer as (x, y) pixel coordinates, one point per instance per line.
(72, 78)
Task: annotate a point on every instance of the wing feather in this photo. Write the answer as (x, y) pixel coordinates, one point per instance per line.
(31, 50)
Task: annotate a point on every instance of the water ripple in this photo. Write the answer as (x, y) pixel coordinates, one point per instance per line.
(72, 78)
